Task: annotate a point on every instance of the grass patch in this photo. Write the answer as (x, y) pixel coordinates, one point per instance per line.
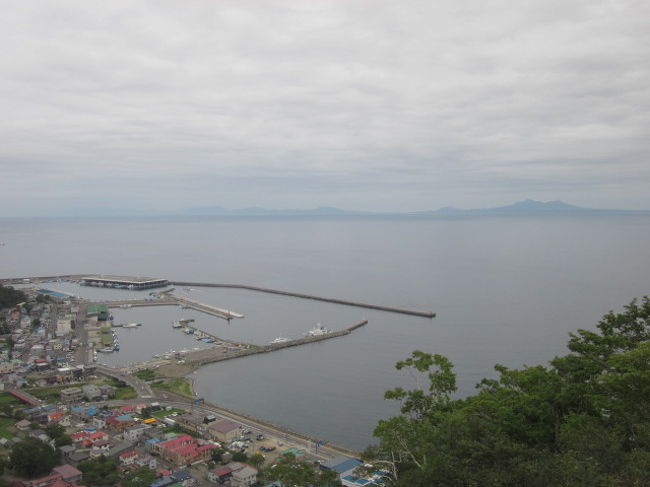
(146, 374)
(180, 385)
(5, 424)
(163, 413)
(127, 392)
(51, 393)
(9, 399)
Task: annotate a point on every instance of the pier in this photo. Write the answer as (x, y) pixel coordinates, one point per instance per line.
(204, 308)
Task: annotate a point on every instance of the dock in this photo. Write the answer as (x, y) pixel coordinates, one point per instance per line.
(226, 314)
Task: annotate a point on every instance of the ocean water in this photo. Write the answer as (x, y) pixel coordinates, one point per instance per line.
(506, 290)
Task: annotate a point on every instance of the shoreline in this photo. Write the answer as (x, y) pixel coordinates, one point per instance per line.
(285, 431)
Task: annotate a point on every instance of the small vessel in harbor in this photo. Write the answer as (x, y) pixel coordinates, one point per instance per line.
(177, 324)
(105, 350)
(318, 330)
(131, 325)
(279, 340)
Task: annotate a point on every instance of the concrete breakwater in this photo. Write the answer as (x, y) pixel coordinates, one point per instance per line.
(358, 304)
(206, 356)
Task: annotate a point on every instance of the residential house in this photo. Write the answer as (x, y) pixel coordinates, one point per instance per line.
(184, 450)
(91, 392)
(100, 448)
(128, 458)
(120, 423)
(134, 433)
(145, 460)
(71, 394)
(244, 477)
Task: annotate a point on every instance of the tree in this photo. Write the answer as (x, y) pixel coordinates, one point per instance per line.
(100, 472)
(256, 460)
(217, 455)
(140, 477)
(239, 456)
(10, 297)
(32, 457)
(293, 473)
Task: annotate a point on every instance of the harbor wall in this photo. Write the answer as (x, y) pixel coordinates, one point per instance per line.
(390, 309)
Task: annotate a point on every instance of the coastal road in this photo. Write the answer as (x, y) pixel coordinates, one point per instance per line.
(281, 435)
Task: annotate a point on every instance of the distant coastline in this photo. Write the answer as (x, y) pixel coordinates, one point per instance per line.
(520, 208)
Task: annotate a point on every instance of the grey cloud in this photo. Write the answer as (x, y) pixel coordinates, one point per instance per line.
(432, 103)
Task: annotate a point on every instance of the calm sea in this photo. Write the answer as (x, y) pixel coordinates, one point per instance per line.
(506, 289)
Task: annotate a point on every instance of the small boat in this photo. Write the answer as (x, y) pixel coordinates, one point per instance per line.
(279, 340)
(131, 325)
(188, 331)
(105, 350)
(177, 324)
(318, 330)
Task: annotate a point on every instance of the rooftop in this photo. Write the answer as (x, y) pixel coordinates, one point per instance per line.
(126, 279)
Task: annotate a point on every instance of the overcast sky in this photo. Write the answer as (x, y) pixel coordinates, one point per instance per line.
(367, 105)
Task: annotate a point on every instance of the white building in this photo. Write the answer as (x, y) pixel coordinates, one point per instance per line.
(245, 477)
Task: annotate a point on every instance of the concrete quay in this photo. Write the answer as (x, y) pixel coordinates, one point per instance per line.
(226, 314)
(217, 354)
(358, 304)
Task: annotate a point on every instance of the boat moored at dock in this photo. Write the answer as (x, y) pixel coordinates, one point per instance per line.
(318, 330)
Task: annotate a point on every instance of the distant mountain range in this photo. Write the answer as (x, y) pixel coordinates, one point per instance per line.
(526, 207)
(256, 211)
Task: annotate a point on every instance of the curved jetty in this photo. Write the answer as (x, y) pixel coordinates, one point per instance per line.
(390, 309)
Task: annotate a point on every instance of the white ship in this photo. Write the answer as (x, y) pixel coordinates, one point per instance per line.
(318, 330)
(279, 340)
(131, 325)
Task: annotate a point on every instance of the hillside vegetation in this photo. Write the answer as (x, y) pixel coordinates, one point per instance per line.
(583, 420)
(10, 297)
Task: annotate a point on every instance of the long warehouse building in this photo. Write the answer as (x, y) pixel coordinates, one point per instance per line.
(124, 282)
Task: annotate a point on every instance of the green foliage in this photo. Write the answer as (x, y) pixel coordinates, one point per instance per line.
(217, 455)
(57, 433)
(100, 472)
(32, 457)
(293, 473)
(145, 374)
(583, 420)
(239, 456)
(256, 460)
(140, 477)
(10, 297)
